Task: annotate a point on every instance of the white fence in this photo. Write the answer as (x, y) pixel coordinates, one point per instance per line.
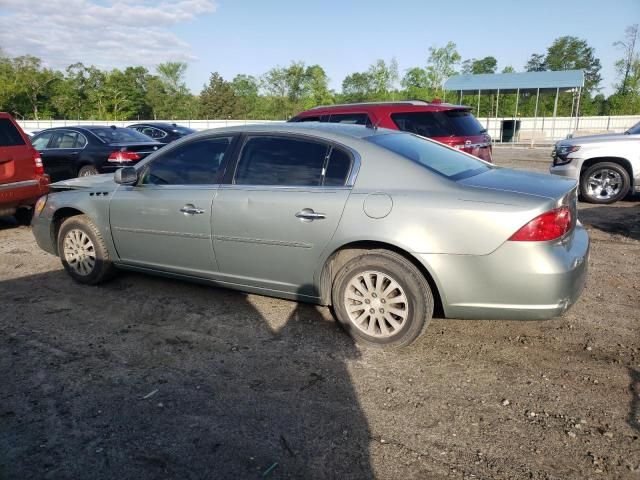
(540, 130)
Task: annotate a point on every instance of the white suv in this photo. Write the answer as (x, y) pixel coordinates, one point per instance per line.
(607, 166)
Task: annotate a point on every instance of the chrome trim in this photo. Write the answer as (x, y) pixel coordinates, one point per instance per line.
(163, 232)
(25, 183)
(279, 243)
(230, 186)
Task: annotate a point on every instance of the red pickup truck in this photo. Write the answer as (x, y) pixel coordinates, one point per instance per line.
(22, 177)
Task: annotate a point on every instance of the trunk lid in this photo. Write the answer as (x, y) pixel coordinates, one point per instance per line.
(141, 148)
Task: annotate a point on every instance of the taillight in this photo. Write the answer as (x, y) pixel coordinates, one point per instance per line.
(548, 226)
(38, 163)
(120, 156)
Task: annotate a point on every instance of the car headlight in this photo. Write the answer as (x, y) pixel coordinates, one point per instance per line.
(564, 150)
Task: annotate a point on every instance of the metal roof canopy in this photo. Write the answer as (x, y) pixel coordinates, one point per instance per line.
(529, 82)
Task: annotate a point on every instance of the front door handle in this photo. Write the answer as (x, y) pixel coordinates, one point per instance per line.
(307, 214)
(190, 209)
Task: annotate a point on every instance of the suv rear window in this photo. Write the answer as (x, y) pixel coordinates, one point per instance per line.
(437, 158)
(447, 123)
(9, 135)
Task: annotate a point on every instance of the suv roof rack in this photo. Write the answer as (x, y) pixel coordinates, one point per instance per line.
(396, 102)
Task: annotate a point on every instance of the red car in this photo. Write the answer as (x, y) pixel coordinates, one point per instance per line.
(453, 125)
(22, 177)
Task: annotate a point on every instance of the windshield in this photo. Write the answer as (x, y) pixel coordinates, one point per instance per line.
(448, 123)
(118, 135)
(437, 158)
(635, 130)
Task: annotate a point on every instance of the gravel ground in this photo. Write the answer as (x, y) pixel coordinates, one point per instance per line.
(146, 377)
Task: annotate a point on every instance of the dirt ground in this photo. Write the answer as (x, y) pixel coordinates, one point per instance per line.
(150, 378)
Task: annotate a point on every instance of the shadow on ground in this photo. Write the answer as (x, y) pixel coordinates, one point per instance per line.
(189, 382)
(619, 220)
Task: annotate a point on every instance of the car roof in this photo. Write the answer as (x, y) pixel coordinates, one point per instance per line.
(385, 107)
(308, 128)
(155, 124)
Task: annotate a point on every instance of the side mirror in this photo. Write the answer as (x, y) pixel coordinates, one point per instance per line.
(126, 176)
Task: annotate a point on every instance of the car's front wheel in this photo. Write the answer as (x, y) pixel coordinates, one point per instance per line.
(83, 252)
(382, 299)
(604, 182)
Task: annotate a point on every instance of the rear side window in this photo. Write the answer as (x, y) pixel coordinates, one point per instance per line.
(68, 139)
(431, 155)
(350, 118)
(281, 161)
(338, 168)
(439, 124)
(9, 135)
(194, 163)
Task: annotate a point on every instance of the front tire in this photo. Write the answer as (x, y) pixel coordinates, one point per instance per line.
(604, 183)
(382, 299)
(83, 252)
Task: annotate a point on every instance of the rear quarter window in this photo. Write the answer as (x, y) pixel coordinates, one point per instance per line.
(9, 135)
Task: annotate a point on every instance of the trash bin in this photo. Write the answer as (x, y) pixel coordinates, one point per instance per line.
(510, 130)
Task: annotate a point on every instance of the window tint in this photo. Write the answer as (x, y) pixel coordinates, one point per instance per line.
(280, 161)
(439, 124)
(437, 158)
(153, 132)
(194, 163)
(9, 135)
(338, 168)
(351, 118)
(116, 135)
(41, 140)
(308, 119)
(68, 139)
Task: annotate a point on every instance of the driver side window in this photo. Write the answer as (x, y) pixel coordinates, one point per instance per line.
(195, 163)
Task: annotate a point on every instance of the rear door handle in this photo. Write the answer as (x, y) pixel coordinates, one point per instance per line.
(310, 215)
(190, 209)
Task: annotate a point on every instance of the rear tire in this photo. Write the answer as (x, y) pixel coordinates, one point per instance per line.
(382, 299)
(87, 171)
(604, 183)
(83, 252)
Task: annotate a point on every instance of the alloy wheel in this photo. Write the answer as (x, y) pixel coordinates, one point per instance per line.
(79, 252)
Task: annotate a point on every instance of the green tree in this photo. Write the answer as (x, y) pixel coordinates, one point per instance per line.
(357, 87)
(625, 65)
(246, 90)
(36, 82)
(317, 87)
(416, 83)
(572, 53)
(478, 66)
(441, 65)
(218, 99)
(537, 63)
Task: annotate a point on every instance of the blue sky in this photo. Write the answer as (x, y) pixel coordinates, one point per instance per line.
(251, 36)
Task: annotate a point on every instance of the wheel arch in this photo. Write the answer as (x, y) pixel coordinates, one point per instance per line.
(342, 254)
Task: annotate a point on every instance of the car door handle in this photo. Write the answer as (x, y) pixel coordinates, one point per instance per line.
(189, 209)
(309, 214)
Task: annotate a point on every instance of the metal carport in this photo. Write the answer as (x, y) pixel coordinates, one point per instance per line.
(526, 82)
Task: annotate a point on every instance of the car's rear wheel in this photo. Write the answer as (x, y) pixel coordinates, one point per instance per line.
(382, 299)
(83, 252)
(604, 182)
(87, 171)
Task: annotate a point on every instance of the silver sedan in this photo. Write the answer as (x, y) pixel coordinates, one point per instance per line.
(383, 226)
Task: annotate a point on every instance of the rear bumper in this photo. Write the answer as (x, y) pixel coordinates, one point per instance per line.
(518, 281)
(24, 193)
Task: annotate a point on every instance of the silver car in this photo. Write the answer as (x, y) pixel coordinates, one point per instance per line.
(383, 226)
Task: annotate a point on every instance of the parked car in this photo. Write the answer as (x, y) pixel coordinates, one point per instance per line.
(607, 166)
(22, 177)
(162, 132)
(69, 152)
(453, 125)
(380, 224)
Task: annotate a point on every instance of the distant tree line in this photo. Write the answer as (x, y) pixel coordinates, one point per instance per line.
(30, 90)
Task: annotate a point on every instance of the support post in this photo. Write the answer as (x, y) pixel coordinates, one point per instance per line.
(460, 102)
(478, 112)
(497, 106)
(535, 118)
(578, 110)
(515, 117)
(555, 112)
